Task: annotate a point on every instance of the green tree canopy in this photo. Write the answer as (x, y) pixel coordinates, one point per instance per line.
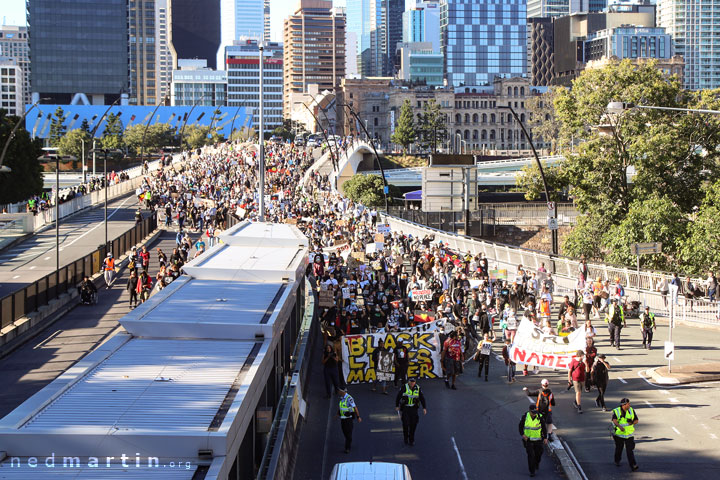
(433, 124)
(542, 121)
(25, 179)
(57, 127)
(113, 133)
(72, 143)
(158, 135)
(700, 250)
(529, 180)
(368, 190)
(405, 131)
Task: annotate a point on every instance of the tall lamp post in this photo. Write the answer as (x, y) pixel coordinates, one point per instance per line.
(15, 128)
(553, 210)
(372, 144)
(261, 137)
(57, 206)
(105, 152)
(95, 129)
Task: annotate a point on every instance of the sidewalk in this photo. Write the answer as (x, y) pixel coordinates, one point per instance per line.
(32, 366)
(681, 374)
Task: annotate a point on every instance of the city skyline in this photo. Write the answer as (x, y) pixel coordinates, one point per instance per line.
(14, 14)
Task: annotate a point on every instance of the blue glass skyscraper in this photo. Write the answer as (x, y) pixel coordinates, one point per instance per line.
(483, 39)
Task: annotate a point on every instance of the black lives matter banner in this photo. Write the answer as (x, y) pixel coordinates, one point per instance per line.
(423, 352)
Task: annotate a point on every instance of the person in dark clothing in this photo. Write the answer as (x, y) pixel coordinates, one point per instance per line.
(87, 290)
(534, 434)
(600, 378)
(330, 370)
(483, 325)
(544, 403)
(408, 400)
(131, 287)
(402, 360)
(590, 355)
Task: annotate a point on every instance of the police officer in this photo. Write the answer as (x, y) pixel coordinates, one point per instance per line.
(625, 419)
(647, 324)
(616, 321)
(407, 401)
(347, 411)
(534, 434)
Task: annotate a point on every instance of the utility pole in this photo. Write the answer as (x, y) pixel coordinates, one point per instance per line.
(261, 138)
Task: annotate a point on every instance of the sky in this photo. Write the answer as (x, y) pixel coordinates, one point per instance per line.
(13, 13)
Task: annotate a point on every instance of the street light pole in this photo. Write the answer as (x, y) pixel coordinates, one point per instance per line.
(377, 158)
(15, 128)
(542, 175)
(57, 218)
(261, 140)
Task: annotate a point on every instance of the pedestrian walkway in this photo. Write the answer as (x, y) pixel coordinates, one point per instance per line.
(681, 374)
(37, 363)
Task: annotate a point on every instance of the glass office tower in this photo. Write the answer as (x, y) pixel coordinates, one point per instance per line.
(483, 39)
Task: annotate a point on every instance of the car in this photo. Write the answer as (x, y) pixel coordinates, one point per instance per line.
(276, 139)
(370, 471)
(299, 141)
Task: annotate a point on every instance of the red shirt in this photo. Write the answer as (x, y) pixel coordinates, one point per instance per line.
(453, 349)
(577, 370)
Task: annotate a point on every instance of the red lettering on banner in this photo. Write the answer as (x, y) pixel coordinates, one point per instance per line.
(561, 362)
(535, 356)
(518, 355)
(547, 360)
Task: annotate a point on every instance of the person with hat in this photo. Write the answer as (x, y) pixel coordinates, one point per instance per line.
(408, 401)
(647, 325)
(625, 418)
(347, 410)
(544, 403)
(616, 321)
(109, 270)
(576, 378)
(600, 379)
(533, 430)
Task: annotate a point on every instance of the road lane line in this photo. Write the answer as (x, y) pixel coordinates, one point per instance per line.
(33, 267)
(676, 431)
(713, 436)
(649, 404)
(622, 380)
(16, 276)
(674, 400)
(665, 392)
(65, 245)
(457, 452)
(617, 360)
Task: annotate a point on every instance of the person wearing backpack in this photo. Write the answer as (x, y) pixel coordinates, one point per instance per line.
(647, 325)
(616, 321)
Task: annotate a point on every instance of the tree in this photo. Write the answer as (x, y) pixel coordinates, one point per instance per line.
(25, 179)
(700, 250)
(72, 143)
(158, 135)
(542, 121)
(113, 133)
(405, 131)
(433, 125)
(529, 179)
(285, 130)
(85, 126)
(57, 127)
(196, 136)
(368, 190)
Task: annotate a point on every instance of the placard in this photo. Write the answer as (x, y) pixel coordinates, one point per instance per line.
(379, 237)
(383, 228)
(422, 295)
(498, 274)
(533, 347)
(346, 293)
(326, 298)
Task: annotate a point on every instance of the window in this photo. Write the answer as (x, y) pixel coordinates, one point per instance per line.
(457, 118)
(492, 118)
(475, 118)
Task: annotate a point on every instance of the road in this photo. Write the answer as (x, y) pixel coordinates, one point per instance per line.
(676, 434)
(34, 258)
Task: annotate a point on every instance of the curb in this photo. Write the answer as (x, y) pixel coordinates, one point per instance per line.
(567, 463)
(661, 380)
(687, 378)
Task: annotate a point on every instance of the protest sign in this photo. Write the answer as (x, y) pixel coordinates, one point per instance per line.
(383, 228)
(291, 221)
(346, 292)
(475, 283)
(326, 298)
(532, 347)
(422, 295)
(423, 353)
(359, 256)
(385, 366)
(420, 316)
(370, 248)
(498, 274)
(379, 237)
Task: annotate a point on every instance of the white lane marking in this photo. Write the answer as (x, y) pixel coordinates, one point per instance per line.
(457, 452)
(33, 267)
(622, 380)
(673, 400)
(713, 436)
(664, 392)
(649, 404)
(16, 276)
(705, 426)
(617, 360)
(46, 258)
(676, 431)
(65, 245)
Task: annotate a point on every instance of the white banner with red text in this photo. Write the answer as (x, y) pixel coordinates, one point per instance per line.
(532, 347)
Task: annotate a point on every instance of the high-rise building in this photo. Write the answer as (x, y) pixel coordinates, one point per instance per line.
(11, 81)
(242, 62)
(422, 24)
(314, 53)
(548, 8)
(419, 64)
(14, 44)
(541, 51)
(78, 52)
(240, 20)
(150, 63)
(266, 20)
(695, 28)
(392, 29)
(483, 39)
(594, 6)
(195, 30)
(367, 19)
(195, 84)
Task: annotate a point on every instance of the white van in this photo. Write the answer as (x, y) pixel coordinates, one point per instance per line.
(370, 471)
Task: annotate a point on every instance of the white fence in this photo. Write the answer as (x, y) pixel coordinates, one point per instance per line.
(638, 286)
(530, 213)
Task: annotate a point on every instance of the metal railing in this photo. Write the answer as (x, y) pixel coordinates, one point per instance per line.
(40, 292)
(639, 286)
(279, 456)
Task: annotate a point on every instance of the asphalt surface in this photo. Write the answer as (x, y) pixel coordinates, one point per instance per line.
(80, 234)
(31, 367)
(675, 437)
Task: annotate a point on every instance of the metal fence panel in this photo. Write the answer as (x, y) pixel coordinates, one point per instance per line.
(6, 311)
(19, 304)
(31, 297)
